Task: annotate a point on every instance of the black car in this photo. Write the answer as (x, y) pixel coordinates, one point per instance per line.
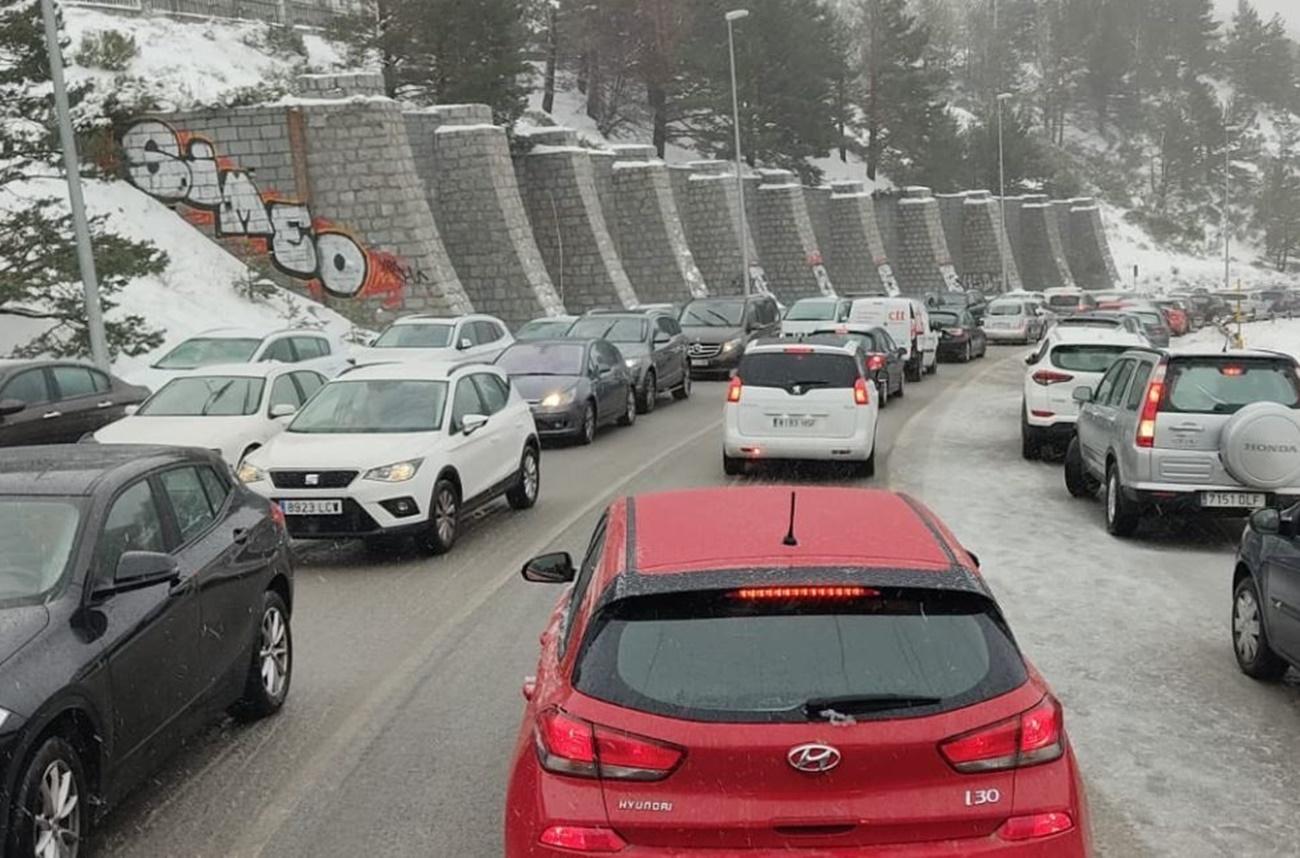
(719, 329)
(574, 386)
(59, 402)
(653, 347)
(886, 360)
(960, 336)
(142, 592)
(1266, 594)
(971, 300)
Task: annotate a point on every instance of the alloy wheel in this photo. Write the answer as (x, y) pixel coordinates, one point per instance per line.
(274, 652)
(532, 475)
(589, 424)
(1245, 625)
(444, 515)
(1112, 496)
(58, 819)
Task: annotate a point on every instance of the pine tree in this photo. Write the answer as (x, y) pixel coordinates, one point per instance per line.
(1259, 58)
(39, 275)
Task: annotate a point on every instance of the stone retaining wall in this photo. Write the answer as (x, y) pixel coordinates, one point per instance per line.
(649, 233)
(985, 247)
(923, 264)
(1045, 265)
(788, 246)
(856, 257)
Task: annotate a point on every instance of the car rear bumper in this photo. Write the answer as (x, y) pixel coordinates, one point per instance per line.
(1184, 499)
(1057, 422)
(1015, 335)
(953, 347)
(856, 447)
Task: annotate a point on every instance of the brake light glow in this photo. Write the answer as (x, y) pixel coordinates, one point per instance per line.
(1146, 431)
(954, 332)
(876, 362)
(1028, 739)
(733, 389)
(759, 594)
(1048, 377)
(798, 350)
(277, 516)
(583, 839)
(570, 746)
(861, 395)
(1037, 825)
(1232, 371)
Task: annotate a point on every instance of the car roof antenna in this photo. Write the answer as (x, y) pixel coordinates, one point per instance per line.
(789, 534)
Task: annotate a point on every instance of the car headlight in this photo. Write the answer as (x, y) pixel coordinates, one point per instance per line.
(732, 345)
(398, 472)
(557, 399)
(632, 363)
(250, 473)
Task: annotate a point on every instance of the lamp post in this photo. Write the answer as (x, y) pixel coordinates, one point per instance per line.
(732, 17)
(1223, 217)
(1002, 192)
(85, 256)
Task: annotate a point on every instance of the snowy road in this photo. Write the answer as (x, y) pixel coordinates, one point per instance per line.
(406, 697)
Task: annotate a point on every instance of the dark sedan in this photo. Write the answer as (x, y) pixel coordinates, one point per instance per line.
(142, 592)
(719, 329)
(653, 349)
(574, 386)
(545, 328)
(59, 402)
(886, 360)
(960, 336)
(1266, 594)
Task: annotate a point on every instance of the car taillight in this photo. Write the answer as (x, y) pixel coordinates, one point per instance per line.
(733, 389)
(1037, 825)
(571, 746)
(577, 838)
(860, 394)
(1030, 738)
(954, 332)
(1146, 431)
(277, 516)
(876, 362)
(1048, 377)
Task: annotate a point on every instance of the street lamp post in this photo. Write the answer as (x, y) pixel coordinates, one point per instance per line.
(1002, 192)
(732, 17)
(85, 256)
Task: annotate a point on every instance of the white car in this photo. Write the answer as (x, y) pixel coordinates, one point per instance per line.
(808, 401)
(306, 347)
(1067, 358)
(1019, 320)
(813, 314)
(230, 409)
(400, 449)
(439, 338)
(908, 321)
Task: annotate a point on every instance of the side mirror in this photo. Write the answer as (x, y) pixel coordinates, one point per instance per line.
(471, 423)
(11, 406)
(554, 568)
(1082, 394)
(282, 410)
(464, 344)
(1029, 360)
(662, 339)
(143, 569)
(1266, 521)
(130, 409)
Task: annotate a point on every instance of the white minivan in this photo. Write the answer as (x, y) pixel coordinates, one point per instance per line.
(908, 322)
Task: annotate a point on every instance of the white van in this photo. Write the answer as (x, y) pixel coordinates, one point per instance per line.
(908, 322)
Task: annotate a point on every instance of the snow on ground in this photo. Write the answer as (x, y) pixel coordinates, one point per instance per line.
(1281, 335)
(196, 292)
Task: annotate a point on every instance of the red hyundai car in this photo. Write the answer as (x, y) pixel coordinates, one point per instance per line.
(769, 671)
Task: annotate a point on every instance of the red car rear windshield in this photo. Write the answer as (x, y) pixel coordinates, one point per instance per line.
(719, 657)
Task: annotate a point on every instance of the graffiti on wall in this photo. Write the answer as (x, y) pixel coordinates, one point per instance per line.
(887, 279)
(179, 168)
(983, 281)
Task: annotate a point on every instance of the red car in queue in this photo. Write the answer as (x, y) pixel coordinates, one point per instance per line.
(768, 671)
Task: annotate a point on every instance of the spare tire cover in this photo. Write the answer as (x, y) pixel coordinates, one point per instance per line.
(1260, 446)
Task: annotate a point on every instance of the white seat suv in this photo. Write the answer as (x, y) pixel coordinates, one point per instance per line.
(400, 449)
(809, 401)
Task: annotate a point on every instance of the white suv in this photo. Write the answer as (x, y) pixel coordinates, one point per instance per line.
(309, 348)
(807, 401)
(439, 338)
(1067, 358)
(400, 449)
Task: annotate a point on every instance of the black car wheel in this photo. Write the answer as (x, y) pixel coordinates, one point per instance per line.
(649, 395)
(524, 493)
(587, 431)
(1030, 448)
(683, 390)
(902, 384)
(731, 466)
(49, 817)
(1255, 656)
(267, 684)
(1122, 515)
(629, 410)
(444, 518)
(912, 370)
(1078, 482)
(966, 354)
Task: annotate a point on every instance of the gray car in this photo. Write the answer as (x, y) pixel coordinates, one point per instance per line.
(1208, 432)
(653, 347)
(719, 329)
(545, 328)
(574, 386)
(1266, 594)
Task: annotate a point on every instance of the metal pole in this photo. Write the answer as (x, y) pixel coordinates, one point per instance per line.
(1002, 198)
(740, 178)
(81, 228)
(1223, 215)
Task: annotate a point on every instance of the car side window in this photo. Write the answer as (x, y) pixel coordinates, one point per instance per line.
(662, 325)
(133, 524)
(1139, 388)
(1107, 384)
(308, 383)
(670, 325)
(103, 384)
(73, 382)
(1125, 372)
(281, 350)
(30, 386)
(467, 402)
(589, 563)
(216, 486)
(468, 332)
(311, 347)
(605, 355)
(283, 392)
(189, 502)
(492, 391)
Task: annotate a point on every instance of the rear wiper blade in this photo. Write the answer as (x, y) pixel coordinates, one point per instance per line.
(850, 704)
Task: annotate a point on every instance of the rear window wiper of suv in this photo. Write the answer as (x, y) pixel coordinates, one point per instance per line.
(827, 708)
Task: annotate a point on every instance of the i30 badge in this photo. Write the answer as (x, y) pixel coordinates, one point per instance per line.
(814, 758)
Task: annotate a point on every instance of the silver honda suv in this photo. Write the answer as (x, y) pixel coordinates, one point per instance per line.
(1206, 432)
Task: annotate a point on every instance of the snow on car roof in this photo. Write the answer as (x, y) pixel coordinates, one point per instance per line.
(1099, 335)
(411, 370)
(261, 369)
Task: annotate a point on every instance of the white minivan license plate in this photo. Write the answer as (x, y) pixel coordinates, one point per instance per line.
(312, 507)
(1240, 500)
(793, 422)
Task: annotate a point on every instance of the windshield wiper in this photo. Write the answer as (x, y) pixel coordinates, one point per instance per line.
(212, 400)
(857, 704)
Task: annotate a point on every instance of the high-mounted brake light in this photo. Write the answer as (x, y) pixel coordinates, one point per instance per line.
(1232, 371)
(571, 746)
(1146, 431)
(1048, 377)
(861, 395)
(876, 362)
(576, 838)
(1028, 739)
(840, 591)
(733, 389)
(798, 350)
(1035, 826)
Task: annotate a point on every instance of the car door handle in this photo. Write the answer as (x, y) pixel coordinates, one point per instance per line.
(107, 403)
(50, 415)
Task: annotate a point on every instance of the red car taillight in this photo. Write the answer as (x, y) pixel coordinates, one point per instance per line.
(1146, 431)
(1037, 825)
(733, 389)
(1028, 739)
(861, 395)
(1048, 377)
(578, 838)
(876, 362)
(571, 746)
